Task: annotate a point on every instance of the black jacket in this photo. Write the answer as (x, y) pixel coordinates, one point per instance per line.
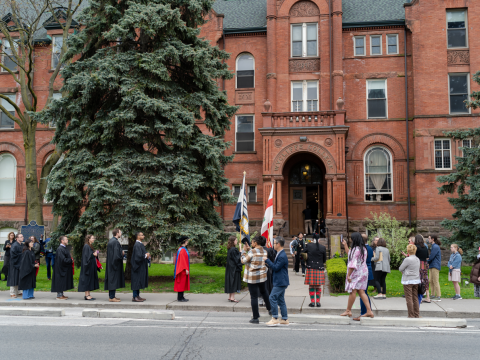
(88, 280)
(27, 278)
(62, 279)
(317, 256)
(114, 272)
(139, 267)
(15, 257)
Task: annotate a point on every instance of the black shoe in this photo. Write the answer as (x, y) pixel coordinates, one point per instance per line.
(311, 304)
(403, 295)
(4, 279)
(91, 299)
(254, 321)
(318, 305)
(182, 300)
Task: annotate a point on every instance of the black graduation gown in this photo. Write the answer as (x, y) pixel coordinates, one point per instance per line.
(114, 273)
(15, 258)
(88, 280)
(28, 280)
(271, 254)
(139, 267)
(233, 271)
(62, 279)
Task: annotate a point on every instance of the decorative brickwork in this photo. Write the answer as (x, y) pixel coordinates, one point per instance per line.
(304, 65)
(304, 8)
(381, 139)
(458, 57)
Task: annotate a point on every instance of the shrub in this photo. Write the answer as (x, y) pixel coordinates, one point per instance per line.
(337, 273)
(221, 256)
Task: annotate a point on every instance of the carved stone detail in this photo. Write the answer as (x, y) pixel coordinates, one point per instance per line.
(328, 142)
(278, 143)
(304, 8)
(245, 97)
(304, 65)
(458, 57)
(271, 76)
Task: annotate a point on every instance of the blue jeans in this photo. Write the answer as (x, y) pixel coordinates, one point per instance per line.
(277, 298)
(27, 294)
(136, 293)
(363, 308)
(50, 260)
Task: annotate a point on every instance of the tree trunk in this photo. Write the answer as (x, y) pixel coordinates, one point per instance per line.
(35, 201)
(128, 266)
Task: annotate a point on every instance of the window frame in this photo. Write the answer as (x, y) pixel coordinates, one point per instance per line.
(469, 110)
(386, 99)
(466, 28)
(14, 111)
(470, 140)
(5, 41)
(236, 70)
(53, 52)
(236, 125)
(365, 193)
(304, 40)
(248, 192)
(14, 177)
(434, 149)
(371, 46)
(397, 42)
(364, 45)
(304, 95)
(51, 124)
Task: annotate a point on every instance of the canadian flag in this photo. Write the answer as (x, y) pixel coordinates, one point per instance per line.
(267, 225)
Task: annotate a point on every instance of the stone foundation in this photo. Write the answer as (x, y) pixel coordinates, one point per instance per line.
(432, 227)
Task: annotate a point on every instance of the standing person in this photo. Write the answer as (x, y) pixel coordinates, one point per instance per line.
(271, 254)
(63, 270)
(280, 283)
(307, 214)
(455, 266)
(475, 276)
(382, 268)
(233, 270)
(435, 265)
(114, 272)
(410, 270)
(375, 280)
(298, 250)
(422, 255)
(182, 270)
(36, 250)
(140, 258)
(14, 270)
(255, 275)
(49, 257)
(28, 265)
(88, 280)
(293, 251)
(363, 308)
(357, 275)
(315, 278)
(6, 257)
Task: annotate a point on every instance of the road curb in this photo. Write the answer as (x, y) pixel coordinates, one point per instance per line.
(130, 314)
(320, 319)
(28, 311)
(414, 322)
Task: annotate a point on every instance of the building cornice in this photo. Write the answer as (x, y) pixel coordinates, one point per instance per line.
(313, 130)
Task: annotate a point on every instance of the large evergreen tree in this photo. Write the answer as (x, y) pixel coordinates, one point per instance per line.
(141, 82)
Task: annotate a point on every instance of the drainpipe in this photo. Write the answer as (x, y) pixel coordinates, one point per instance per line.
(223, 89)
(346, 192)
(331, 50)
(406, 125)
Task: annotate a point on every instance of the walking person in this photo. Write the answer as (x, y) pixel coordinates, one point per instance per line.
(315, 277)
(280, 283)
(233, 270)
(410, 270)
(475, 276)
(88, 280)
(293, 247)
(28, 266)
(435, 265)
(182, 270)
(49, 257)
(357, 275)
(114, 272)
(382, 268)
(422, 255)
(455, 267)
(255, 275)
(307, 214)
(300, 246)
(63, 270)
(363, 308)
(6, 257)
(140, 258)
(14, 271)
(271, 254)
(36, 250)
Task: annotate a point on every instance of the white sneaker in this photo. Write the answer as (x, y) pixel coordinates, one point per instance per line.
(273, 322)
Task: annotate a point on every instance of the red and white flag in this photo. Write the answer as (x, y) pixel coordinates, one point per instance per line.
(267, 225)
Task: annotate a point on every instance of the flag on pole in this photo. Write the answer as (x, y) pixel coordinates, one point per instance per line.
(267, 225)
(240, 217)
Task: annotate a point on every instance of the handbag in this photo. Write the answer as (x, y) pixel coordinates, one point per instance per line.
(304, 256)
(421, 288)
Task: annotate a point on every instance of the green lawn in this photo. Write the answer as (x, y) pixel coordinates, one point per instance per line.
(395, 287)
(204, 279)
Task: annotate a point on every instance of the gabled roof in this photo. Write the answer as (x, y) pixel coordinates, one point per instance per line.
(241, 14)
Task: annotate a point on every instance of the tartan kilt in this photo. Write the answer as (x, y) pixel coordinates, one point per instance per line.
(314, 277)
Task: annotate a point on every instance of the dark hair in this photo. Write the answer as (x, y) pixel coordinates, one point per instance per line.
(61, 238)
(280, 241)
(18, 235)
(87, 239)
(436, 240)
(115, 232)
(317, 240)
(34, 239)
(261, 240)
(10, 233)
(231, 241)
(419, 242)
(299, 233)
(25, 245)
(382, 242)
(137, 233)
(357, 242)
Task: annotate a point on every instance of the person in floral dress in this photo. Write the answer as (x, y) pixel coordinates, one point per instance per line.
(357, 275)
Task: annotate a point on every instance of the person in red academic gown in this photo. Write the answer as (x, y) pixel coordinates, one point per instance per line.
(182, 270)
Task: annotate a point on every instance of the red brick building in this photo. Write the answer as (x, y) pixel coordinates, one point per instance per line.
(323, 117)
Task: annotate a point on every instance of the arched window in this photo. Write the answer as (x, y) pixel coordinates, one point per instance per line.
(378, 175)
(245, 71)
(8, 174)
(305, 174)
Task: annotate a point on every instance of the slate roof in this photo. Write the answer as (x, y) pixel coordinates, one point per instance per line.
(373, 10)
(242, 13)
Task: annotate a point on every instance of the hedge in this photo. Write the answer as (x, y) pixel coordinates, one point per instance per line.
(337, 273)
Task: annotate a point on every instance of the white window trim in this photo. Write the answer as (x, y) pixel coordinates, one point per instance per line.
(304, 94)
(304, 39)
(468, 92)
(398, 44)
(53, 50)
(15, 179)
(461, 144)
(466, 29)
(236, 67)
(386, 99)
(365, 174)
(381, 47)
(364, 45)
(451, 160)
(5, 40)
(254, 135)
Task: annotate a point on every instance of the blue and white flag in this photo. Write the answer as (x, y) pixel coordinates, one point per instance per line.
(240, 217)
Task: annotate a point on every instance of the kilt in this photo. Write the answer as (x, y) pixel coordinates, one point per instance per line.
(315, 277)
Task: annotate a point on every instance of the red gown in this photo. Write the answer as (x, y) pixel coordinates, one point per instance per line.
(182, 263)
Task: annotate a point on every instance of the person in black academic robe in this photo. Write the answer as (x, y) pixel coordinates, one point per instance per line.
(14, 271)
(139, 263)
(62, 279)
(233, 270)
(88, 280)
(114, 273)
(28, 267)
(6, 254)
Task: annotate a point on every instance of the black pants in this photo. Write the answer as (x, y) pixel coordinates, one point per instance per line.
(298, 261)
(111, 294)
(6, 265)
(380, 283)
(180, 295)
(254, 289)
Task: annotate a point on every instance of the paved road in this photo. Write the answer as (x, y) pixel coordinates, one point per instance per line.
(212, 336)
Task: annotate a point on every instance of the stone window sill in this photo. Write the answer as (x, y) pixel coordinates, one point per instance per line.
(244, 152)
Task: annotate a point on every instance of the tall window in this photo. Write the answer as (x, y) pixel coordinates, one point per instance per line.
(7, 57)
(56, 50)
(245, 135)
(466, 143)
(376, 45)
(245, 71)
(304, 95)
(53, 123)
(359, 45)
(458, 93)
(377, 98)
(457, 28)
(443, 154)
(304, 40)
(5, 121)
(392, 44)
(252, 193)
(8, 174)
(378, 175)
